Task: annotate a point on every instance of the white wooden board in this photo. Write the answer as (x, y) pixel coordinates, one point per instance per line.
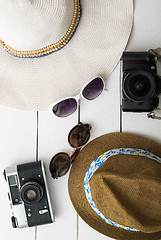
(18, 132)
(53, 133)
(146, 34)
(17, 145)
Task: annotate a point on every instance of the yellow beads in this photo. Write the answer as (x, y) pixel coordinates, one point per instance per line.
(53, 47)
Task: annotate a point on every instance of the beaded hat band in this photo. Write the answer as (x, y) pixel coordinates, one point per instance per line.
(53, 47)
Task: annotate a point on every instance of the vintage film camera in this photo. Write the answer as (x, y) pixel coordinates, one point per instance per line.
(140, 82)
(28, 194)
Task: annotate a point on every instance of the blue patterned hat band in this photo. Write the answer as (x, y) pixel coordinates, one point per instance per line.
(98, 163)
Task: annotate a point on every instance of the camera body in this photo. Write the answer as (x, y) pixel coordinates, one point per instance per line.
(140, 82)
(28, 195)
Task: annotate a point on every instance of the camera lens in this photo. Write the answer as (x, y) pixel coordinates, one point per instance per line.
(31, 192)
(139, 85)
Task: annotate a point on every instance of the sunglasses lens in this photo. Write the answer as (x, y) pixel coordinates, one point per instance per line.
(65, 107)
(79, 135)
(93, 89)
(59, 165)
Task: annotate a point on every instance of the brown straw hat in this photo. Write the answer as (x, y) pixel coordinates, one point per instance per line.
(115, 186)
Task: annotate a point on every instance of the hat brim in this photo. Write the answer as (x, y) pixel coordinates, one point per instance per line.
(95, 48)
(76, 178)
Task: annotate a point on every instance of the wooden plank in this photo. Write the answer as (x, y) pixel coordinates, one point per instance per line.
(146, 29)
(146, 35)
(17, 145)
(53, 133)
(103, 114)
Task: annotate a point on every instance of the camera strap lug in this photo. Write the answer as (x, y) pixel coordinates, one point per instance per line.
(157, 52)
(153, 114)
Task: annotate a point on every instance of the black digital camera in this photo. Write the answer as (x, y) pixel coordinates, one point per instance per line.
(140, 82)
(28, 194)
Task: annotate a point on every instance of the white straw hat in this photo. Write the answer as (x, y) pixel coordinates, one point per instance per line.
(93, 47)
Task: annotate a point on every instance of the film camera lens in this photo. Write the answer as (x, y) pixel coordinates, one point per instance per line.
(139, 85)
(31, 192)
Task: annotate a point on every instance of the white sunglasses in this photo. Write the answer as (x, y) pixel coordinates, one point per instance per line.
(67, 106)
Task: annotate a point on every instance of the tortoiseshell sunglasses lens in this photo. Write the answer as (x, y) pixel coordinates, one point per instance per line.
(79, 135)
(60, 164)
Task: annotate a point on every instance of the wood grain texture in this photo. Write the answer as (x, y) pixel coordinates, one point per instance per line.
(17, 145)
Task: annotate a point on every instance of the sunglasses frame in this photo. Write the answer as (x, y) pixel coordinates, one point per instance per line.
(74, 152)
(77, 97)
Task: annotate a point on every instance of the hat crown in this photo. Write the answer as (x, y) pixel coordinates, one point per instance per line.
(129, 194)
(32, 24)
